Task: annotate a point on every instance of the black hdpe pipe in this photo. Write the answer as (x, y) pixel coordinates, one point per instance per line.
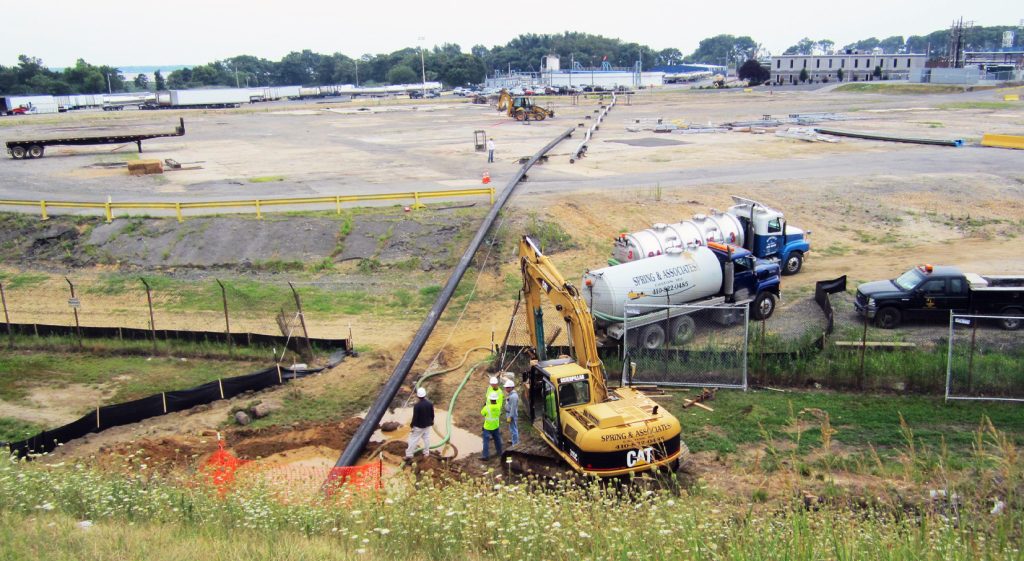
(376, 413)
(909, 140)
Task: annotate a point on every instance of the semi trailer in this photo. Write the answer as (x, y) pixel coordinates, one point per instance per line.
(29, 148)
(675, 285)
(931, 292)
(749, 224)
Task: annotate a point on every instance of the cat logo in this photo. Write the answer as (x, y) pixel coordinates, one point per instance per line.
(640, 456)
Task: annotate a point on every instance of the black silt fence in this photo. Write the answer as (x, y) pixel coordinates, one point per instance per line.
(130, 412)
(137, 334)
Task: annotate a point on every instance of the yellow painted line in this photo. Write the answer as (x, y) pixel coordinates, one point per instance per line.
(1003, 141)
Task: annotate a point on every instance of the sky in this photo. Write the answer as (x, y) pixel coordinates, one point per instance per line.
(120, 33)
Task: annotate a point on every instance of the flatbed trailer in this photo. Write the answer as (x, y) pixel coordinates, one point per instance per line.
(27, 148)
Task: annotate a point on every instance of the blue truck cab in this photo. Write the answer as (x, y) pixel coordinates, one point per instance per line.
(768, 235)
(754, 279)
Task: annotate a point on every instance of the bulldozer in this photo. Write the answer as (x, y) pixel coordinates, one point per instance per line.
(522, 108)
(596, 430)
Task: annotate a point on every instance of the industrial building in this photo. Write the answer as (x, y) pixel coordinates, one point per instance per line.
(856, 67)
(552, 74)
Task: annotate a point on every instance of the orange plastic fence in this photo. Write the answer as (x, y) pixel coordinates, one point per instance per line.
(221, 467)
(367, 476)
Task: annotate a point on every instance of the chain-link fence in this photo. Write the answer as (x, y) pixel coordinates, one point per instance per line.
(159, 312)
(700, 346)
(986, 358)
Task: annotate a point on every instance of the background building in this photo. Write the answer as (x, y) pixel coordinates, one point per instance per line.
(856, 67)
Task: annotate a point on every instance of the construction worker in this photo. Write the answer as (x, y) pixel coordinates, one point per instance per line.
(492, 423)
(495, 391)
(490, 150)
(512, 411)
(422, 422)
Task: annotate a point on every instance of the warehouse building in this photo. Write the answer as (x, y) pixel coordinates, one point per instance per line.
(856, 67)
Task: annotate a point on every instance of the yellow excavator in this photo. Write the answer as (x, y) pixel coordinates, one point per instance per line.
(594, 429)
(522, 108)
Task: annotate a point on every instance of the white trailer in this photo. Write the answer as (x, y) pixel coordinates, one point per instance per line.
(32, 104)
(211, 98)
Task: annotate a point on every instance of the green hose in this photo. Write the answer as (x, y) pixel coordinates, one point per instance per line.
(451, 406)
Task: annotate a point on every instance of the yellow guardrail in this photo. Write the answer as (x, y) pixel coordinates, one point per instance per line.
(1011, 97)
(1003, 141)
(109, 207)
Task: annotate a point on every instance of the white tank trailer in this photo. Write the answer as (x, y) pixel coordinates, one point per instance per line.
(703, 276)
(747, 224)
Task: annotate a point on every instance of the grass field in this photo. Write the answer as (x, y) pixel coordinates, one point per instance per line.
(901, 88)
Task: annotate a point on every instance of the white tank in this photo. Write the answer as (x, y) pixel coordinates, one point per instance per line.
(721, 227)
(676, 277)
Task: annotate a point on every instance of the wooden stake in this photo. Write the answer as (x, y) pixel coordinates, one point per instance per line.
(164, 396)
(220, 384)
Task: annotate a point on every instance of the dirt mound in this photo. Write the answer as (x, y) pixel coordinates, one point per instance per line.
(161, 455)
(250, 444)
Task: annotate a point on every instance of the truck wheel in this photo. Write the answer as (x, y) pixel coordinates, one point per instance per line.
(887, 318)
(682, 330)
(793, 263)
(35, 151)
(652, 337)
(763, 306)
(17, 152)
(1012, 323)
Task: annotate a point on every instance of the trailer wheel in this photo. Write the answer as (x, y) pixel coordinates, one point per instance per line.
(1012, 323)
(763, 306)
(652, 337)
(17, 152)
(793, 263)
(35, 151)
(682, 330)
(888, 318)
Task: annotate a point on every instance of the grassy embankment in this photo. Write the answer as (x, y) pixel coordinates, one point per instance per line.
(140, 514)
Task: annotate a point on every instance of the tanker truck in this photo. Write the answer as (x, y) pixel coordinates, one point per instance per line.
(702, 277)
(748, 224)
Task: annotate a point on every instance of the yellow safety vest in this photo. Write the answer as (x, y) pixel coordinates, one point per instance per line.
(492, 416)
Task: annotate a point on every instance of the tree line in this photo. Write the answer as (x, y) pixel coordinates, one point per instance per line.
(447, 63)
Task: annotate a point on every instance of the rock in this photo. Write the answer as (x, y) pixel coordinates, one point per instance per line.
(390, 426)
(84, 525)
(263, 409)
(242, 418)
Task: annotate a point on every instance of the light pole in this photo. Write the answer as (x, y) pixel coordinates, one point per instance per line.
(423, 68)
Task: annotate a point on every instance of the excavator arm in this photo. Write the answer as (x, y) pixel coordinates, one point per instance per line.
(541, 277)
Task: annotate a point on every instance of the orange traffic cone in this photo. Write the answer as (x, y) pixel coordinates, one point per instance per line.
(486, 178)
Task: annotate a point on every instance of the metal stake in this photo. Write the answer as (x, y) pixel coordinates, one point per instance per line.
(302, 320)
(7, 318)
(227, 321)
(78, 328)
(863, 349)
(152, 323)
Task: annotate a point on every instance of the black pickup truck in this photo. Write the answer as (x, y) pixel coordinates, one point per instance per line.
(928, 292)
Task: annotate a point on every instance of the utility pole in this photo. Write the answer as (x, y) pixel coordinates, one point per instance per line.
(109, 89)
(423, 68)
(357, 72)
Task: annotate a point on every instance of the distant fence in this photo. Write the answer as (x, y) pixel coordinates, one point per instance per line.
(256, 205)
(984, 364)
(139, 334)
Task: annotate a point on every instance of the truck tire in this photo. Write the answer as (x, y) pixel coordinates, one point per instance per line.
(35, 151)
(763, 306)
(793, 263)
(17, 152)
(888, 318)
(681, 330)
(651, 337)
(1012, 323)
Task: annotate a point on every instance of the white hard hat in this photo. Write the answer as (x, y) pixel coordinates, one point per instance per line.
(421, 392)
(510, 384)
(493, 381)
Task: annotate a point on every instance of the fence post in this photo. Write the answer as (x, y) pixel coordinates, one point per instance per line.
(949, 354)
(337, 204)
(302, 320)
(152, 322)
(258, 213)
(492, 195)
(760, 359)
(42, 208)
(78, 328)
(227, 321)
(863, 349)
(107, 212)
(7, 318)
(970, 357)
(177, 211)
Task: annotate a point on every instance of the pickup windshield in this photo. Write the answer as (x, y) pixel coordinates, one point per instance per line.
(908, 280)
